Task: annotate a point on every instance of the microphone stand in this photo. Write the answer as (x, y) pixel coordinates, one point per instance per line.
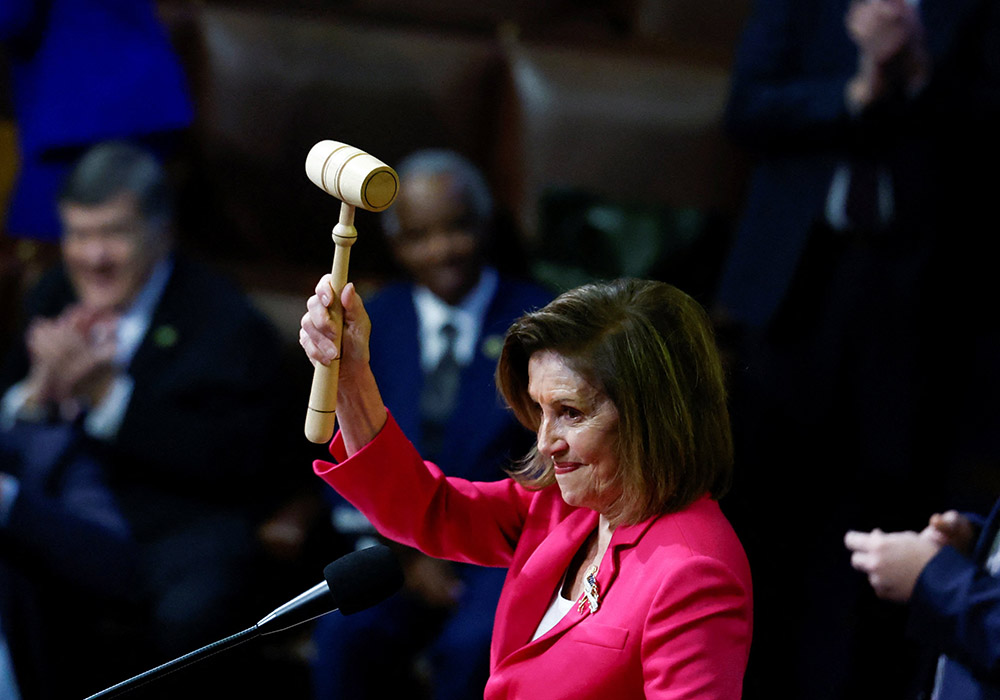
(354, 582)
(178, 663)
(304, 607)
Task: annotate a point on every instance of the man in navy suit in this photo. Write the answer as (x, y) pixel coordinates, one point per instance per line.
(949, 575)
(859, 285)
(440, 336)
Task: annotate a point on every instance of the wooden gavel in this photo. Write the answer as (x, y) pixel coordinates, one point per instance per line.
(357, 179)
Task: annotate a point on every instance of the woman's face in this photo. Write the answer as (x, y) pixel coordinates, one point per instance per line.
(577, 430)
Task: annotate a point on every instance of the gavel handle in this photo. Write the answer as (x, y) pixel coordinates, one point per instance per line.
(321, 416)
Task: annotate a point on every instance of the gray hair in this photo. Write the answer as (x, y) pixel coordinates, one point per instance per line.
(470, 180)
(112, 168)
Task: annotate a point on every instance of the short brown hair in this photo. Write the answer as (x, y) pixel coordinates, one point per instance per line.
(651, 349)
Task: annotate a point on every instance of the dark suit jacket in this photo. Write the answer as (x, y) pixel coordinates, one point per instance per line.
(66, 553)
(955, 609)
(207, 406)
(482, 436)
(787, 108)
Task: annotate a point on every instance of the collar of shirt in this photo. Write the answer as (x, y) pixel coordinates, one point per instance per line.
(135, 321)
(467, 317)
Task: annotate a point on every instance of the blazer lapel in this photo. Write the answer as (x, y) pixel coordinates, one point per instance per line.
(623, 538)
(538, 578)
(544, 571)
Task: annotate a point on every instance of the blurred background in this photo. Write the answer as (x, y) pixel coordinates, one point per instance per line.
(601, 127)
(598, 124)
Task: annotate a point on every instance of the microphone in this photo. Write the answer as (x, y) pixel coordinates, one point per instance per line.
(355, 582)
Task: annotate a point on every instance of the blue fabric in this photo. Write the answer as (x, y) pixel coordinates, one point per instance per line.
(955, 608)
(83, 71)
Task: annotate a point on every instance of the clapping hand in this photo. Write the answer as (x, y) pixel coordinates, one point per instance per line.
(72, 356)
(893, 560)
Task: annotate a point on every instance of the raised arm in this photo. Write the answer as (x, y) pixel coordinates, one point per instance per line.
(361, 413)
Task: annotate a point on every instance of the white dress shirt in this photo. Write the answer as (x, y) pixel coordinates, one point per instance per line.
(467, 317)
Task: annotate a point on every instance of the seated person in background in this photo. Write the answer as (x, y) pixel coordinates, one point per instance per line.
(440, 334)
(176, 380)
(624, 578)
(67, 561)
(949, 574)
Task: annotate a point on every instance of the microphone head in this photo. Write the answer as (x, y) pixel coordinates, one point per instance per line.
(363, 578)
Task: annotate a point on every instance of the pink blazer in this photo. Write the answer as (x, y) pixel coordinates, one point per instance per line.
(675, 612)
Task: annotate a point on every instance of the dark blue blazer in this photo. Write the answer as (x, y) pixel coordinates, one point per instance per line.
(787, 109)
(955, 608)
(482, 436)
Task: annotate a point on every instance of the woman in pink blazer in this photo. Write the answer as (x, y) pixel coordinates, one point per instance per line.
(625, 580)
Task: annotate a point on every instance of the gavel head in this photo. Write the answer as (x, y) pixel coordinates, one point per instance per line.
(351, 175)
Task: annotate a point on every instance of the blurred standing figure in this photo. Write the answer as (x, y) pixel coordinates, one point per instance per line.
(84, 71)
(441, 332)
(859, 285)
(176, 380)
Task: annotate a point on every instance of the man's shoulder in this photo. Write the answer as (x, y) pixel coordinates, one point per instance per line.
(197, 285)
(199, 296)
(525, 287)
(516, 296)
(390, 299)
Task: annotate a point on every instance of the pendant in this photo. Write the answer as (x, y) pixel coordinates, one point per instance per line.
(591, 592)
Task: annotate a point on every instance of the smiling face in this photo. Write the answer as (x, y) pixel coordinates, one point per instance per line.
(109, 250)
(439, 242)
(577, 431)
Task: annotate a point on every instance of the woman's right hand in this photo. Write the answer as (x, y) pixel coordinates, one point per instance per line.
(360, 411)
(320, 334)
